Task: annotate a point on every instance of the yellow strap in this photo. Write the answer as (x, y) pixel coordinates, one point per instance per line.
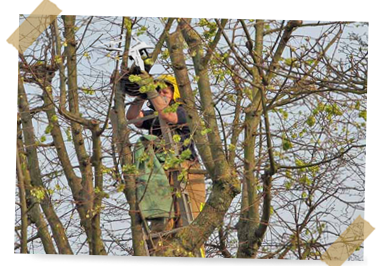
(202, 206)
(202, 252)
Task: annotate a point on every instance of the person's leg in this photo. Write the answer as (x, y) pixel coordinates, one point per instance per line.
(197, 193)
(195, 188)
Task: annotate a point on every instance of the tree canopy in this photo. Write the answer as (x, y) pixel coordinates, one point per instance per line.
(277, 110)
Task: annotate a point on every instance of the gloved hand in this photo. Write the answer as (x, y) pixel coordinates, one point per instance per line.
(147, 79)
(152, 94)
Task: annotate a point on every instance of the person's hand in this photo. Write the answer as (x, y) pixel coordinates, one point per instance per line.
(145, 78)
(145, 75)
(148, 81)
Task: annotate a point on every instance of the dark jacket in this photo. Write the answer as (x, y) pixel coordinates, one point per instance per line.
(181, 128)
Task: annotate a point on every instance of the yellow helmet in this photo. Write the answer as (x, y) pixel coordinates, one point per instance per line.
(171, 80)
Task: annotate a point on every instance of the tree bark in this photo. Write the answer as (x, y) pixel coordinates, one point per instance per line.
(22, 196)
(85, 166)
(122, 139)
(56, 226)
(225, 183)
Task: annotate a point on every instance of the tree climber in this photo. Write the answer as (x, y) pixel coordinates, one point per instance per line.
(162, 99)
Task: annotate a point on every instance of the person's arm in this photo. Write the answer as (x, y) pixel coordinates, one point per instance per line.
(159, 104)
(135, 112)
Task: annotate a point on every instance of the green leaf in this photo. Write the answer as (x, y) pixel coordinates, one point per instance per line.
(362, 114)
(48, 129)
(54, 118)
(286, 144)
(165, 54)
(176, 138)
(171, 109)
(320, 107)
(310, 61)
(288, 185)
(311, 121)
(88, 91)
(171, 162)
(301, 133)
(86, 55)
(289, 61)
(357, 106)
(203, 22)
(288, 173)
(186, 154)
(149, 61)
(205, 131)
(144, 157)
(305, 180)
(130, 169)
(231, 147)
(127, 23)
(183, 175)
(333, 109)
(38, 193)
(193, 54)
(249, 93)
(271, 210)
(314, 169)
(187, 142)
(134, 78)
(141, 30)
(120, 188)
(300, 163)
(58, 58)
(68, 134)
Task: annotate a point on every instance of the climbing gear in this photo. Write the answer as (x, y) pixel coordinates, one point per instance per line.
(170, 80)
(138, 52)
(153, 190)
(142, 62)
(160, 216)
(132, 88)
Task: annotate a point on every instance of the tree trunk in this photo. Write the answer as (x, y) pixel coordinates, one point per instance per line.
(225, 184)
(34, 169)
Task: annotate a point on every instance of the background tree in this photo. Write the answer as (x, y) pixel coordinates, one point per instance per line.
(277, 110)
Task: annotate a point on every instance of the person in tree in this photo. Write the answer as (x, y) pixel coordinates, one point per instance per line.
(163, 101)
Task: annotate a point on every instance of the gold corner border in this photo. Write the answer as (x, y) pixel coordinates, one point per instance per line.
(347, 242)
(34, 25)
